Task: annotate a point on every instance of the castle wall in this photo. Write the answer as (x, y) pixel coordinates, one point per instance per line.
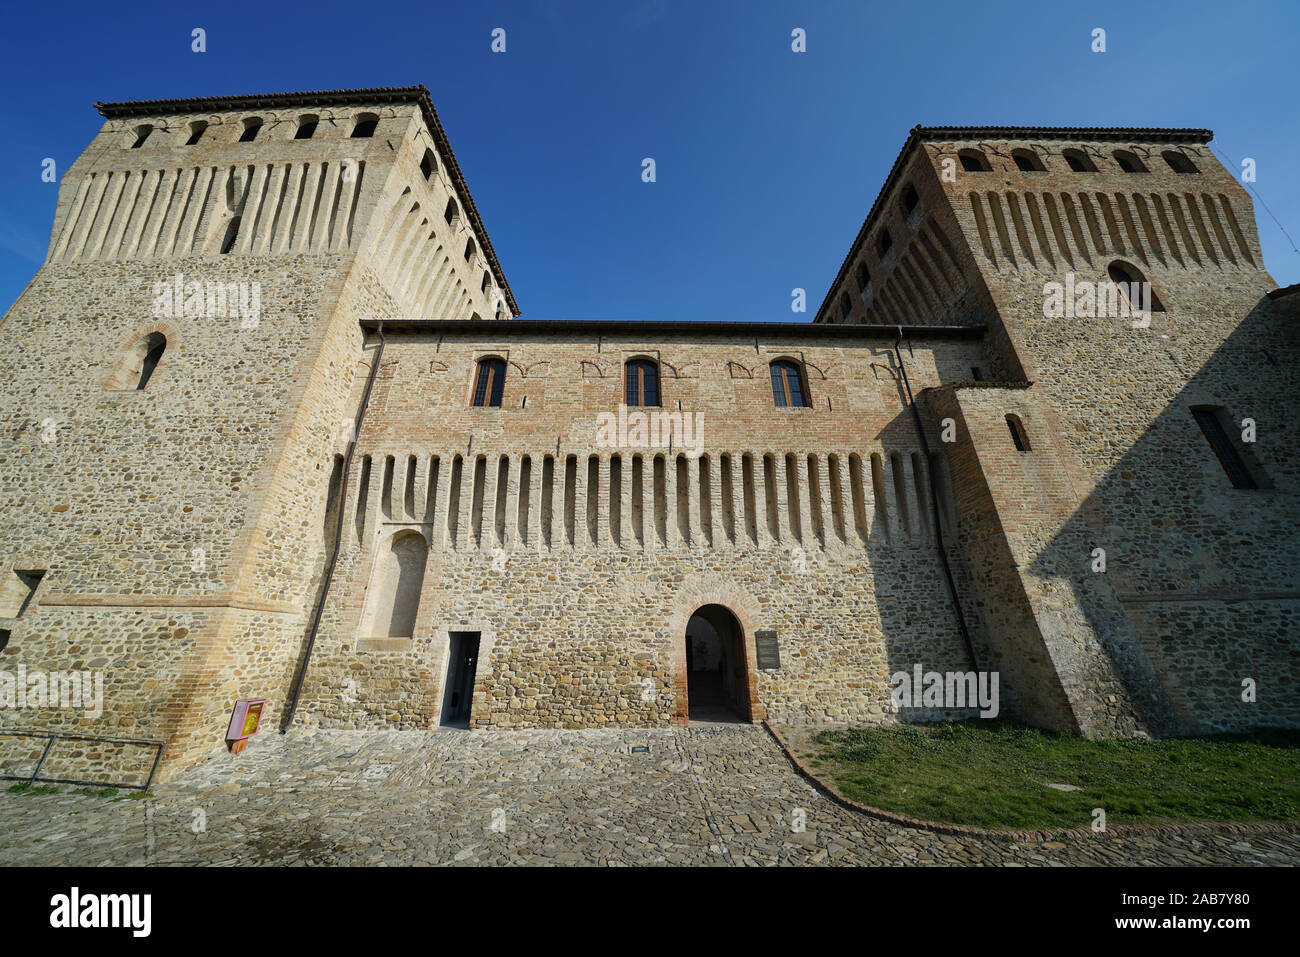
(179, 527)
(1204, 574)
(580, 562)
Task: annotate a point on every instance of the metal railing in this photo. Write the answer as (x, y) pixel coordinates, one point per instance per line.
(55, 735)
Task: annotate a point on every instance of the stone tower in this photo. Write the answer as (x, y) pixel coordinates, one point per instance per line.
(178, 379)
(1160, 439)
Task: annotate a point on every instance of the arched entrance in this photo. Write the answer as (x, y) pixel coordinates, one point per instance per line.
(717, 669)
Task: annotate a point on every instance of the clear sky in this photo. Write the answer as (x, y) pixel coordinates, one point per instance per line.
(767, 160)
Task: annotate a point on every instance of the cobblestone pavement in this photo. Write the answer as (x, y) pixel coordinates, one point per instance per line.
(706, 795)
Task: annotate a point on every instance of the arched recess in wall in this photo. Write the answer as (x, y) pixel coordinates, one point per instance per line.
(394, 598)
(1134, 286)
(974, 161)
(137, 367)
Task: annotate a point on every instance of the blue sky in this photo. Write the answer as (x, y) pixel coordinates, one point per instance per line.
(767, 160)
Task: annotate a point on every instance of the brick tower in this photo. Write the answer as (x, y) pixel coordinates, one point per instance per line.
(177, 382)
(1137, 431)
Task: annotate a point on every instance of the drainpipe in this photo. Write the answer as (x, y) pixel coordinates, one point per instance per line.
(934, 504)
(301, 675)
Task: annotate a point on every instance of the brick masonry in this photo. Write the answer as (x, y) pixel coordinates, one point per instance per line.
(185, 530)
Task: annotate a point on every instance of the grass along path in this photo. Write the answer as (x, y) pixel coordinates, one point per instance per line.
(996, 774)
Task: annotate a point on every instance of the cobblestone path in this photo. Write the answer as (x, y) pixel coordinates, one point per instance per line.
(711, 795)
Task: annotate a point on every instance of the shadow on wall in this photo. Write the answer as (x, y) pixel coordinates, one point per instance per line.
(1206, 575)
(918, 620)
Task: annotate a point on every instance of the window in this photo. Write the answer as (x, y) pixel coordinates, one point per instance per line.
(787, 385)
(973, 161)
(1133, 286)
(197, 129)
(1027, 161)
(1079, 161)
(846, 307)
(1210, 420)
(1018, 434)
(864, 278)
(1179, 162)
(641, 382)
(365, 126)
(1129, 162)
(428, 165)
(885, 243)
(251, 126)
(141, 134)
(910, 199)
(490, 382)
(469, 249)
(451, 213)
(487, 278)
(306, 127)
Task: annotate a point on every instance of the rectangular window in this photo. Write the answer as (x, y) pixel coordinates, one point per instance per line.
(1233, 464)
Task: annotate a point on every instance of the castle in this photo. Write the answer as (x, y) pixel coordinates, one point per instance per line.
(271, 430)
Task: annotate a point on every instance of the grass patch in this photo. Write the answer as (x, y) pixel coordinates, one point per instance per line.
(995, 774)
(24, 787)
(97, 792)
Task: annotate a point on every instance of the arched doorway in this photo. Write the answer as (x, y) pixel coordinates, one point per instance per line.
(717, 670)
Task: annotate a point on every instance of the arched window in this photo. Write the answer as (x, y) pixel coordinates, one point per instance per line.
(788, 390)
(451, 213)
(428, 165)
(487, 278)
(1134, 287)
(1079, 161)
(251, 126)
(641, 382)
(1018, 434)
(973, 161)
(864, 278)
(365, 126)
(469, 249)
(884, 243)
(1129, 162)
(197, 129)
(1179, 162)
(395, 593)
(846, 307)
(489, 382)
(138, 367)
(141, 134)
(909, 200)
(1027, 161)
(306, 127)
(501, 309)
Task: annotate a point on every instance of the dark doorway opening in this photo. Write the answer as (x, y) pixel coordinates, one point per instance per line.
(458, 693)
(717, 673)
